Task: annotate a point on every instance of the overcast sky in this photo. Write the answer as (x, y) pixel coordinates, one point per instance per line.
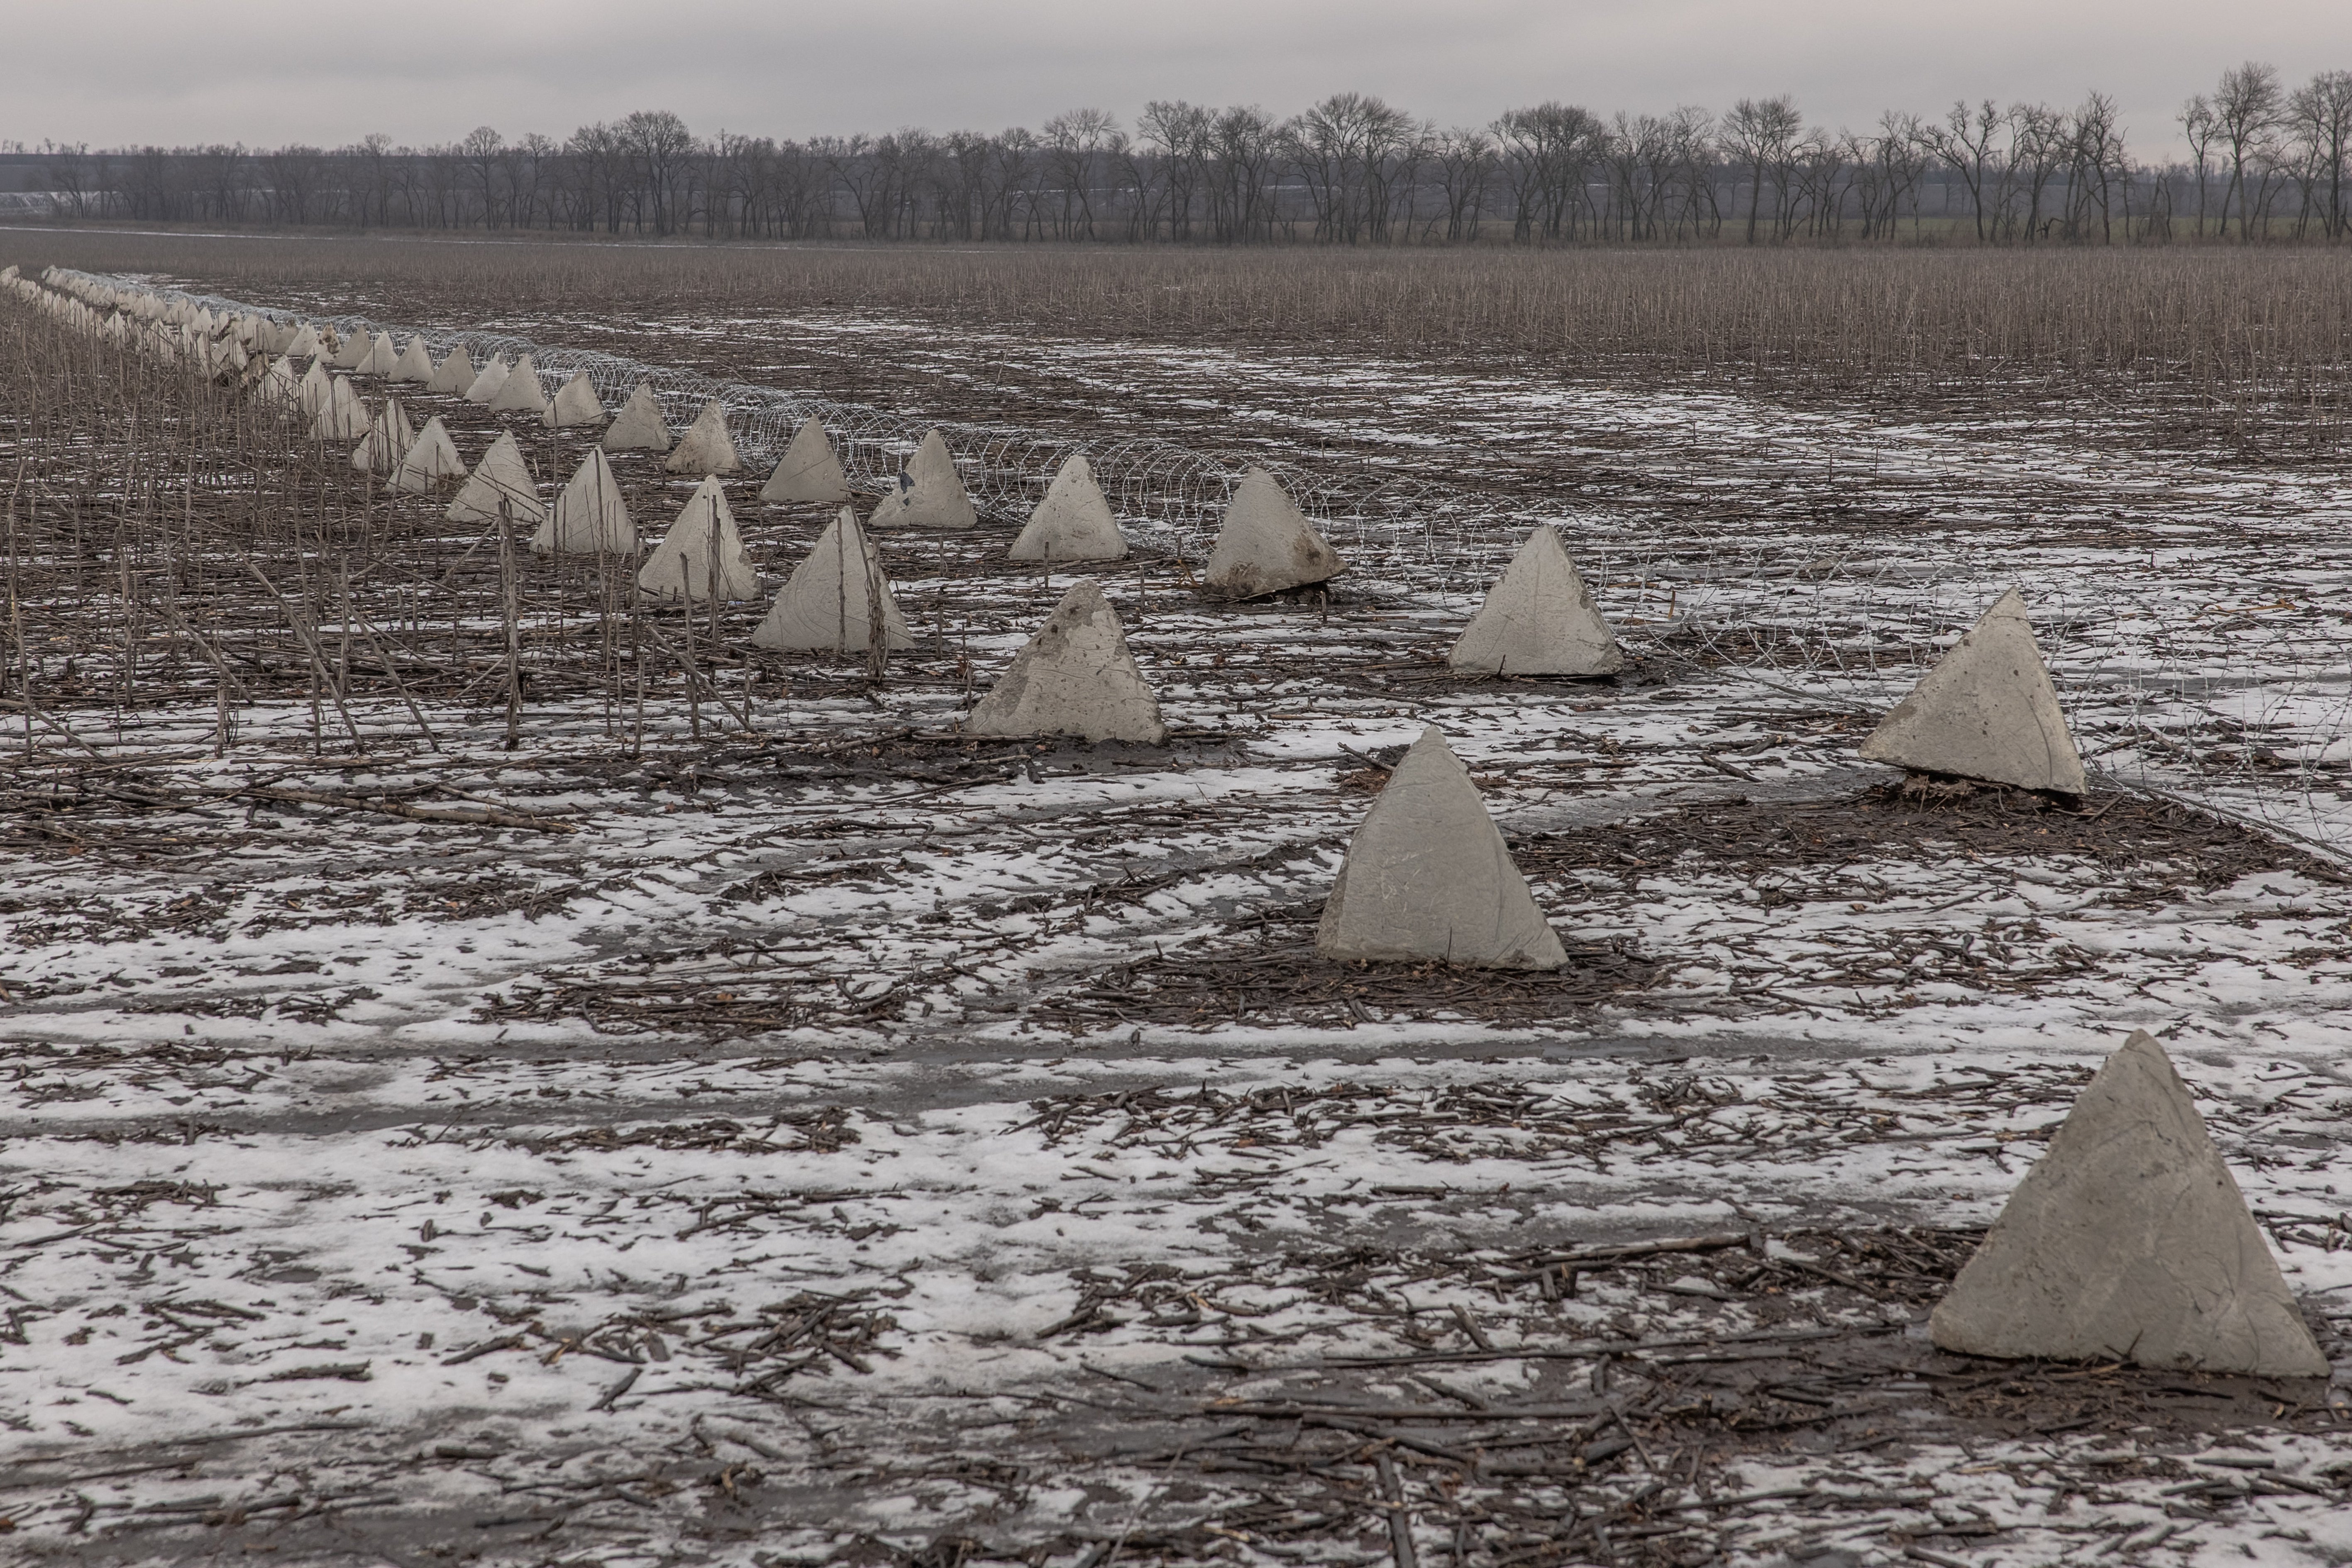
(327, 72)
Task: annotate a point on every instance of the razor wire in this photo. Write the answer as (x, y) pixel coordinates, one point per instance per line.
(2255, 724)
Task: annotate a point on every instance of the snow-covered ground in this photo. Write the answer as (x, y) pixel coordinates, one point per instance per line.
(849, 1143)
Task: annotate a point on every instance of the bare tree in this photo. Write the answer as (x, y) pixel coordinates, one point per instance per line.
(1757, 134)
(2319, 120)
(2245, 111)
(480, 150)
(1965, 144)
(1074, 141)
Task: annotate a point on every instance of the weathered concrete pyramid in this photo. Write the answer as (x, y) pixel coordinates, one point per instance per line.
(305, 343)
(386, 442)
(343, 416)
(808, 470)
(432, 461)
(453, 376)
(1986, 712)
(282, 384)
(1074, 678)
(520, 392)
(705, 448)
(1539, 619)
(415, 363)
(2129, 1238)
(1429, 877)
(352, 352)
(701, 557)
(575, 403)
(486, 385)
(590, 518)
(1073, 522)
(380, 356)
(835, 598)
(639, 427)
(1267, 544)
(316, 389)
(930, 492)
(501, 475)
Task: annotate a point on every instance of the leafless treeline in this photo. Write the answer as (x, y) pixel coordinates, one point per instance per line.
(2267, 164)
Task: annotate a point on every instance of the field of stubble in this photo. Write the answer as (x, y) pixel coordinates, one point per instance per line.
(791, 1132)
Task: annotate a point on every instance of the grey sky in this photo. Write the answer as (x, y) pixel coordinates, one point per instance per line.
(328, 71)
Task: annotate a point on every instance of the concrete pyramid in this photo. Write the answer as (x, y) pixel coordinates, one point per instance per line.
(1074, 678)
(2129, 1238)
(590, 518)
(381, 357)
(930, 492)
(702, 555)
(305, 343)
(415, 363)
(835, 597)
(1986, 712)
(520, 392)
(343, 416)
(808, 470)
(486, 386)
(316, 388)
(705, 448)
(575, 403)
(453, 376)
(1428, 877)
(432, 460)
(501, 475)
(346, 352)
(639, 427)
(1073, 522)
(1539, 619)
(1267, 544)
(387, 441)
(281, 384)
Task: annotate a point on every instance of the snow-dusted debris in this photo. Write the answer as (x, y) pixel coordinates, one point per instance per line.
(1987, 711)
(2129, 1240)
(1074, 677)
(1428, 877)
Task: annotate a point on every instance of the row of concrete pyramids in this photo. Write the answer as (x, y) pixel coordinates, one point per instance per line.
(2128, 1239)
(1987, 710)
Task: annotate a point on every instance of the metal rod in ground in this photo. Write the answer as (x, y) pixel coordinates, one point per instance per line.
(514, 633)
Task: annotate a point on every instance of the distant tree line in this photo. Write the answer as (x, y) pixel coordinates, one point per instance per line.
(2266, 163)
